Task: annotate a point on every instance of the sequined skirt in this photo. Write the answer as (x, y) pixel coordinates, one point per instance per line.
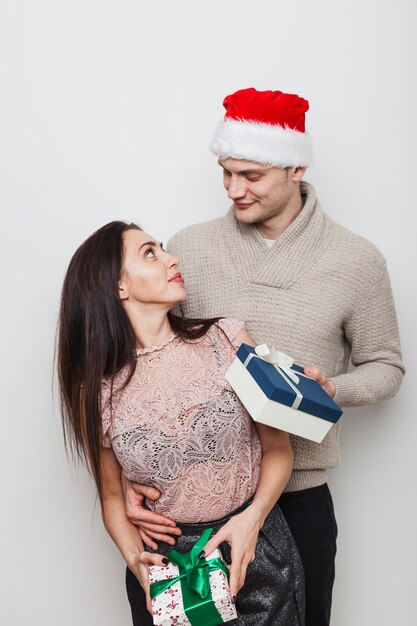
(273, 593)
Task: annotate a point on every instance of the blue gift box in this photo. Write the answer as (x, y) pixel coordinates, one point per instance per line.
(274, 396)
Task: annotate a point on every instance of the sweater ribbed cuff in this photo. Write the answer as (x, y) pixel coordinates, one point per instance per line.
(305, 479)
(346, 390)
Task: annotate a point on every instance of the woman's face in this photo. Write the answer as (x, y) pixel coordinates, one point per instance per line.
(150, 275)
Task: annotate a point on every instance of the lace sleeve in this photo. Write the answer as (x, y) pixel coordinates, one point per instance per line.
(231, 328)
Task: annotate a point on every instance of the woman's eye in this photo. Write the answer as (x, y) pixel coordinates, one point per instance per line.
(149, 252)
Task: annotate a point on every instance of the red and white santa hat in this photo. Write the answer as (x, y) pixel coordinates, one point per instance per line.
(264, 126)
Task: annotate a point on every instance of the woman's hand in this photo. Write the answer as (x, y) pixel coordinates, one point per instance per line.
(124, 534)
(241, 533)
(139, 565)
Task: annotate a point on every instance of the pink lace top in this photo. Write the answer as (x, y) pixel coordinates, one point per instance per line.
(179, 426)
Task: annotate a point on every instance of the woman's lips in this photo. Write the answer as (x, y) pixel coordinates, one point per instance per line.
(177, 278)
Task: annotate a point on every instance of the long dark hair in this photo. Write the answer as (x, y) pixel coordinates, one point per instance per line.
(96, 339)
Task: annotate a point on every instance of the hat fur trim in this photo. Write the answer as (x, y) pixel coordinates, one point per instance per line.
(266, 144)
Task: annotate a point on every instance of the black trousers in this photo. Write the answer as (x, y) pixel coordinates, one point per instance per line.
(310, 516)
(273, 593)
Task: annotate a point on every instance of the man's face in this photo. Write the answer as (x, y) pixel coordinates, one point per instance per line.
(258, 192)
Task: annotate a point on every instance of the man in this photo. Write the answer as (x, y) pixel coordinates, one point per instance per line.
(301, 283)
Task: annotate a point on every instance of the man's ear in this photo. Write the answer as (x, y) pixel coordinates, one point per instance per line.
(298, 173)
(123, 289)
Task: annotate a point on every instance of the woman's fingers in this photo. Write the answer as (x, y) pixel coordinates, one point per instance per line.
(238, 571)
(238, 566)
(214, 542)
(234, 581)
(148, 602)
(146, 559)
(143, 578)
(149, 558)
(242, 553)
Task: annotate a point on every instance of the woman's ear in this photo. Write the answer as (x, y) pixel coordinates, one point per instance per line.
(123, 290)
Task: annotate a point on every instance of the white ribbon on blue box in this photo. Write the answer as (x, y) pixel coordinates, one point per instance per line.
(276, 392)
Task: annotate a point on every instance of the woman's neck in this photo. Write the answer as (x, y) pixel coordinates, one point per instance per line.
(150, 326)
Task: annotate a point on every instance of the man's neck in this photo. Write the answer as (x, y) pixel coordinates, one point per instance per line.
(273, 227)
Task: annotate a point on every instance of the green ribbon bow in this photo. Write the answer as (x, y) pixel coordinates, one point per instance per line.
(195, 583)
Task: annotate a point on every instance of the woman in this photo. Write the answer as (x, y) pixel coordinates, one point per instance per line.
(143, 391)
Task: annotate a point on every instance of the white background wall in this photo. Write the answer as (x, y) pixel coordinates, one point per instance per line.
(106, 111)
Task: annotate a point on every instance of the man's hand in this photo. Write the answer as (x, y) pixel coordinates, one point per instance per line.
(327, 384)
(151, 525)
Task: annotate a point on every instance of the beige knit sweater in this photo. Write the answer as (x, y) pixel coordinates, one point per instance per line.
(321, 294)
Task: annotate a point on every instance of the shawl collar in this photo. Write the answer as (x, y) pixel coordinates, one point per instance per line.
(294, 252)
